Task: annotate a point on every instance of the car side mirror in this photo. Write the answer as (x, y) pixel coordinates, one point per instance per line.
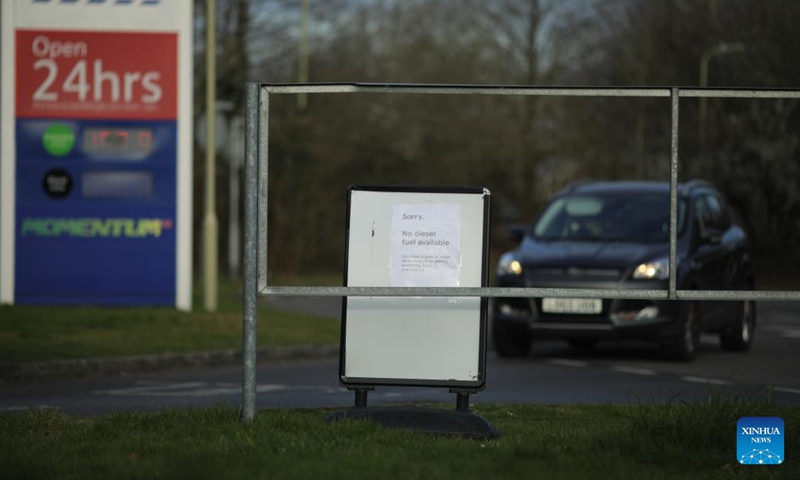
(711, 237)
(517, 232)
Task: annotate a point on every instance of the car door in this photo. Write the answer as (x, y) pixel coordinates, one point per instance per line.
(729, 246)
(709, 259)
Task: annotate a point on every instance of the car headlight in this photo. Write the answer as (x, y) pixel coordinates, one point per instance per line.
(657, 269)
(509, 265)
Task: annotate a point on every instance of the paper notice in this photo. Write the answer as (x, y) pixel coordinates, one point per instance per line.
(426, 245)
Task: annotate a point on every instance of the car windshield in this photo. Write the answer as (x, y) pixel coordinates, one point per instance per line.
(609, 216)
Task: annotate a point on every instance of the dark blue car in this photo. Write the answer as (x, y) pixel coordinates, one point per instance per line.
(615, 235)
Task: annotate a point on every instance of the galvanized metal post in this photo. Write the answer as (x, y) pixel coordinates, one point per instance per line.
(250, 316)
(673, 198)
(263, 187)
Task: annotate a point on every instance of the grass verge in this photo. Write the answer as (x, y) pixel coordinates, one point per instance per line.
(33, 333)
(694, 441)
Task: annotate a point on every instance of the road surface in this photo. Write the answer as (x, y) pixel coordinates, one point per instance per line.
(553, 374)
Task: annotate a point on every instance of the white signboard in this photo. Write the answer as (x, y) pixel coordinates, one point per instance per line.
(415, 237)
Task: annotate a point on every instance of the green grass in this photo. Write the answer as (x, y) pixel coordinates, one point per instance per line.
(579, 442)
(29, 333)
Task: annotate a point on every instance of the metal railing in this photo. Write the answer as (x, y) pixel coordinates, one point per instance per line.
(256, 205)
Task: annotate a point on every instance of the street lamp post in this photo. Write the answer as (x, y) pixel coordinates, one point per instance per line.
(210, 226)
(705, 58)
(302, 65)
(235, 156)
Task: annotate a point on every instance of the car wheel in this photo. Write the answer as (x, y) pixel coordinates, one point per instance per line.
(740, 337)
(510, 344)
(582, 343)
(684, 346)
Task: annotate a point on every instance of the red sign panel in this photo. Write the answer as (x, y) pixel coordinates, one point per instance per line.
(97, 75)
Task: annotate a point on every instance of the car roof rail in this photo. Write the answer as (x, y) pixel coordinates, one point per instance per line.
(699, 183)
(577, 183)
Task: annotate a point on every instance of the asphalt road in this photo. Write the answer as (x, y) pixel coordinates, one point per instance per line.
(552, 374)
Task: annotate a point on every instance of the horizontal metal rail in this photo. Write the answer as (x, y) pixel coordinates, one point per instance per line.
(738, 93)
(522, 90)
(632, 294)
(465, 90)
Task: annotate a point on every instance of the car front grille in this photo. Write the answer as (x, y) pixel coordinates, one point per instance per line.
(576, 273)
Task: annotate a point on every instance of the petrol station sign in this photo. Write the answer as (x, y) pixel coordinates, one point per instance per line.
(95, 191)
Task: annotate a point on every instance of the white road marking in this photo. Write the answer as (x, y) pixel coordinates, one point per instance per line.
(712, 381)
(150, 389)
(784, 331)
(197, 389)
(782, 317)
(14, 409)
(786, 390)
(392, 395)
(567, 363)
(634, 370)
(19, 408)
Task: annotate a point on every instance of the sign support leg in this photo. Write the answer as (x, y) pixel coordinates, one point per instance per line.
(361, 396)
(462, 398)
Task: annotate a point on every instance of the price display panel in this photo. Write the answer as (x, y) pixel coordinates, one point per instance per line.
(117, 143)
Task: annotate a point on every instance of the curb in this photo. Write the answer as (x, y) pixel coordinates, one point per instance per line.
(157, 362)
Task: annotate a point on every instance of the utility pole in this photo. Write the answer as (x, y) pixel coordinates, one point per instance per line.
(210, 224)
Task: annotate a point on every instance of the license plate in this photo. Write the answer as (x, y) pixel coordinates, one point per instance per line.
(585, 306)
